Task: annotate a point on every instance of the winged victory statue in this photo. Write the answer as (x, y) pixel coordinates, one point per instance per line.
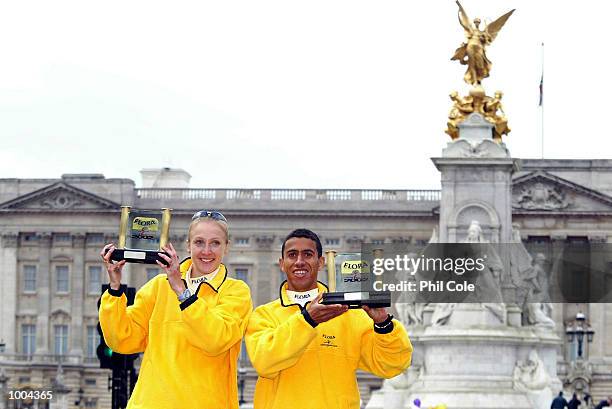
(473, 52)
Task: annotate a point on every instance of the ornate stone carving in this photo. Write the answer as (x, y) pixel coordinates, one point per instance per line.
(579, 370)
(60, 196)
(45, 238)
(78, 239)
(485, 148)
(539, 196)
(354, 242)
(264, 241)
(10, 240)
(61, 200)
(400, 240)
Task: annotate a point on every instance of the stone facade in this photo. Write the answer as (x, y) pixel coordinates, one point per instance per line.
(53, 229)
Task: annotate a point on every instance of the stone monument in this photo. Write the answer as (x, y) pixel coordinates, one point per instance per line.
(478, 355)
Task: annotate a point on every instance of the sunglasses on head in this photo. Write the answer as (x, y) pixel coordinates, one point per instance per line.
(215, 215)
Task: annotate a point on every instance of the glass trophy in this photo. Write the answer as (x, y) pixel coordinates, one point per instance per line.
(351, 281)
(142, 234)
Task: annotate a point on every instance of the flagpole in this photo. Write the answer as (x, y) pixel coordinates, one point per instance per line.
(542, 104)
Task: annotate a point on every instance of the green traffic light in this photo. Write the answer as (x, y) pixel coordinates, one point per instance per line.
(108, 352)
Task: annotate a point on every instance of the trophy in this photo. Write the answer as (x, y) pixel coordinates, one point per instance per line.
(354, 285)
(142, 234)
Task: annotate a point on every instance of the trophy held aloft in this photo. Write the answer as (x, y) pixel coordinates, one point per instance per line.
(142, 235)
(350, 282)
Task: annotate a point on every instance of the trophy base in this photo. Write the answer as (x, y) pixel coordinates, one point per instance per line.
(373, 299)
(138, 256)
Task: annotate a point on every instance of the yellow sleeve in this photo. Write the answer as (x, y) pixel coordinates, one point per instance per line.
(385, 355)
(125, 329)
(215, 329)
(274, 346)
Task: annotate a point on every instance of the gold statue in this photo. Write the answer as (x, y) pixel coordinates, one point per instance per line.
(462, 108)
(472, 53)
(489, 107)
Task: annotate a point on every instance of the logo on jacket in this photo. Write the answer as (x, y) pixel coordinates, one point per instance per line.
(329, 341)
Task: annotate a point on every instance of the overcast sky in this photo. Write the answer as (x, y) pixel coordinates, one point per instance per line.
(309, 94)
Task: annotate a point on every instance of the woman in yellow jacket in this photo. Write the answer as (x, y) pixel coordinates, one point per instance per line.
(189, 323)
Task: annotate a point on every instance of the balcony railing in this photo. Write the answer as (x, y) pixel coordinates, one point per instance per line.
(46, 359)
(288, 194)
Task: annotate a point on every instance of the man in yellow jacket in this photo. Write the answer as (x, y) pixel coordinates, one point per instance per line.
(306, 353)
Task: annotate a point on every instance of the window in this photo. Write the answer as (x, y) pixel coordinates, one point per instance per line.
(95, 238)
(333, 242)
(378, 242)
(61, 339)
(61, 279)
(28, 339)
(538, 239)
(242, 273)
(152, 272)
(29, 278)
(95, 280)
(62, 238)
(93, 339)
(90, 382)
(29, 238)
(241, 241)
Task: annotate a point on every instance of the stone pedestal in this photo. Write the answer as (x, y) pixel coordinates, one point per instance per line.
(476, 175)
(476, 355)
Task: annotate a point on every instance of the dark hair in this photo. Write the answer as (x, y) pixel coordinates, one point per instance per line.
(305, 234)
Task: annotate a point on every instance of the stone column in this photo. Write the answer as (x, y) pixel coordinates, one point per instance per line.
(8, 290)
(263, 276)
(77, 282)
(45, 288)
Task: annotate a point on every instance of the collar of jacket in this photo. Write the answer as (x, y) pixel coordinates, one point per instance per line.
(284, 298)
(215, 284)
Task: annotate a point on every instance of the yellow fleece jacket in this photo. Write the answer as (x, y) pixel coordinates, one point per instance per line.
(303, 367)
(190, 348)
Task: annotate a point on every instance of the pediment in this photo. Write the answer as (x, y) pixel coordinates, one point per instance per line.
(59, 197)
(543, 192)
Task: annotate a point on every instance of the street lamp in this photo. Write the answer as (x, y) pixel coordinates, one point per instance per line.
(578, 329)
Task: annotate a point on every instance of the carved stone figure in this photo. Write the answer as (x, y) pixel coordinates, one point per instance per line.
(530, 376)
(488, 283)
(409, 312)
(538, 309)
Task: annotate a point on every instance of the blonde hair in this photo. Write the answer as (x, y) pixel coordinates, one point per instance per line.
(221, 223)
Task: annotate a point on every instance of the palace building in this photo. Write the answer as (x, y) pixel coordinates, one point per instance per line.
(52, 231)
